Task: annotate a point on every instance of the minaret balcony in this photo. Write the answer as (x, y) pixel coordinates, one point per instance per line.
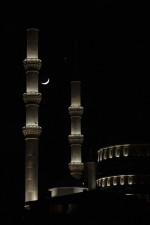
(32, 131)
(32, 64)
(76, 169)
(32, 98)
(75, 110)
(76, 138)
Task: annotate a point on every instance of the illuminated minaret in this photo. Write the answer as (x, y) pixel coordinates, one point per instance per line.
(76, 138)
(31, 130)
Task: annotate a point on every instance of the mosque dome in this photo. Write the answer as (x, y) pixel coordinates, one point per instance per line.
(67, 185)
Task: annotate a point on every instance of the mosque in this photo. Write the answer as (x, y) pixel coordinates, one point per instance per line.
(120, 177)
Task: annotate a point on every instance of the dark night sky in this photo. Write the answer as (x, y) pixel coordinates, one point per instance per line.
(113, 60)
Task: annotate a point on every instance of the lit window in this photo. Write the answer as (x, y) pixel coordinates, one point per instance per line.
(105, 154)
(125, 151)
(101, 155)
(108, 182)
(130, 180)
(117, 152)
(115, 181)
(110, 153)
(121, 180)
(103, 183)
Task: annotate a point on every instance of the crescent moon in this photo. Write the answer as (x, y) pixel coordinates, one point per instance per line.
(44, 83)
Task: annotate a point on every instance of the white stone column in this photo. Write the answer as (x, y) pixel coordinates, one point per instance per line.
(32, 130)
(32, 43)
(90, 175)
(76, 138)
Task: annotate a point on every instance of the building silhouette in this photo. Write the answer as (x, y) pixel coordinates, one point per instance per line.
(114, 189)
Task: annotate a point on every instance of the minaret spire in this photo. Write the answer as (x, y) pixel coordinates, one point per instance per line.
(76, 62)
(76, 138)
(31, 130)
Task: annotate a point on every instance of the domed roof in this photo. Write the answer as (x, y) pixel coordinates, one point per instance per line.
(68, 181)
(137, 134)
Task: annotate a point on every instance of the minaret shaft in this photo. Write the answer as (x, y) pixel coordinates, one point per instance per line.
(32, 81)
(76, 153)
(75, 125)
(76, 166)
(75, 93)
(31, 130)
(32, 44)
(31, 170)
(31, 115)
